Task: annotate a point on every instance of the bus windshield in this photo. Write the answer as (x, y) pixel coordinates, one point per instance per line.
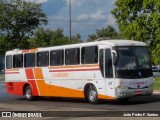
(133, 62)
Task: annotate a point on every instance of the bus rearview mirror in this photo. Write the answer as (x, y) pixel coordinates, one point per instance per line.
(114, 57)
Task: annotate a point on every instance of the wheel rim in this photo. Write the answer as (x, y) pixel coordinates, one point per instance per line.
(92, 95)
(28, 93)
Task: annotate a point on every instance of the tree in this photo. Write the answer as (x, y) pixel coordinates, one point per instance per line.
(45, 38)
(109, 32)
(156, 55)
(41, 38)
(76, 39)
(18, 20)
(58, 38)
(139, 20)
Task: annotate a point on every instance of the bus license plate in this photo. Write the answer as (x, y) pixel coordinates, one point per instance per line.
(138, 92)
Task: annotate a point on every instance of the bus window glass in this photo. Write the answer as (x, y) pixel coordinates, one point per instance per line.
(8, 62)
(133, 62)
(29, 60)
(72, 56)
(143, 57)
(108, 64)
(101, 64)
(90, 55)
(42, 59)
(56, 57)
(18, 61)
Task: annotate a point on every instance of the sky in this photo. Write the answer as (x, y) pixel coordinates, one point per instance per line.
(86, 15)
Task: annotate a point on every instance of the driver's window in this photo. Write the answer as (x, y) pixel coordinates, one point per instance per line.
(106, 70)
(108, 64)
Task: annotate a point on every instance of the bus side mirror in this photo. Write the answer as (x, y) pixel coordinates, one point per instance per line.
(114, 57)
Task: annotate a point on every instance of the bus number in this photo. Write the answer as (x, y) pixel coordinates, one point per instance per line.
(63, 75)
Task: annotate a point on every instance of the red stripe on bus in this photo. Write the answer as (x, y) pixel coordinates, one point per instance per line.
(71, 70)
(32, 81)
(25, 51)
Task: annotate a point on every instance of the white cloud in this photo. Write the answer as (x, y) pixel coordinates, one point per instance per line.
(110, 20)
(83, 17)
(99, 15)
(87, 16)
(36, 1)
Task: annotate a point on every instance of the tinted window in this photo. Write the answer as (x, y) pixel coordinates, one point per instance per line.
(101, 61)
(108, 64)
(72, 56)
(29, 59)
(42, 59)
(18, 61)
(56, 57)
(8, 62)
(90, 55)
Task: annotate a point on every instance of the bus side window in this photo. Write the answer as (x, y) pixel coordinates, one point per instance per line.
(42, 59)
(89, 55)
(72, 56)
(101, 61)
(108, 64)
(29, 60)
(18, 61)
(9, 62)
(57, 57)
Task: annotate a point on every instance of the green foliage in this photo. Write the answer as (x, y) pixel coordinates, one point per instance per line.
(76, 39)
(44, 38)
(18, 20)
(139, 20)
(156, 54)
(109, 32)
(156, 85)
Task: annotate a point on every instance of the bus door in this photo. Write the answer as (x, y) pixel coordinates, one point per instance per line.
(106, 67)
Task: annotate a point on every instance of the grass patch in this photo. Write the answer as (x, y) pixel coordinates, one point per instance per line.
(156, 85)
(1, 76)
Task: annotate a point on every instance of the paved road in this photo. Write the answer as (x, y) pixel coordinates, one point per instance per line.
(18, 103)
(9, 102)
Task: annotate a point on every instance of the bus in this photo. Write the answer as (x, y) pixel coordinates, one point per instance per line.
(107, 69)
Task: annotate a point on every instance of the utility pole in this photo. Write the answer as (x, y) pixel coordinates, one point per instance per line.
(70, 26)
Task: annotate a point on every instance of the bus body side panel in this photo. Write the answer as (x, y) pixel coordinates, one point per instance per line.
(17, 79)
(15, 88)
(67, 82)
(14, 85)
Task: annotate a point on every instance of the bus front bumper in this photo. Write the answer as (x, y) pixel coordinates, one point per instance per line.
(135, 92)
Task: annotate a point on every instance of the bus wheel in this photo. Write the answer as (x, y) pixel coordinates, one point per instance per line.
(92, 95)
(28, 93)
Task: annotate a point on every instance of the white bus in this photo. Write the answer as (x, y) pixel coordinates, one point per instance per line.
(108, 69)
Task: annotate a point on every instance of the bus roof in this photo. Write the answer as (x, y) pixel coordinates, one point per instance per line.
(110, 43)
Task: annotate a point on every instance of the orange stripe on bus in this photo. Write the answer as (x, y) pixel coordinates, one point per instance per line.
(9, 70)
(52, 90)
(78, 66)
(106, 97)
(57, 91)
(33, 50)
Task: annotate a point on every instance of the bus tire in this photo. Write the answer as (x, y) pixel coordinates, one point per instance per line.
(92, 95)
(28, 93)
